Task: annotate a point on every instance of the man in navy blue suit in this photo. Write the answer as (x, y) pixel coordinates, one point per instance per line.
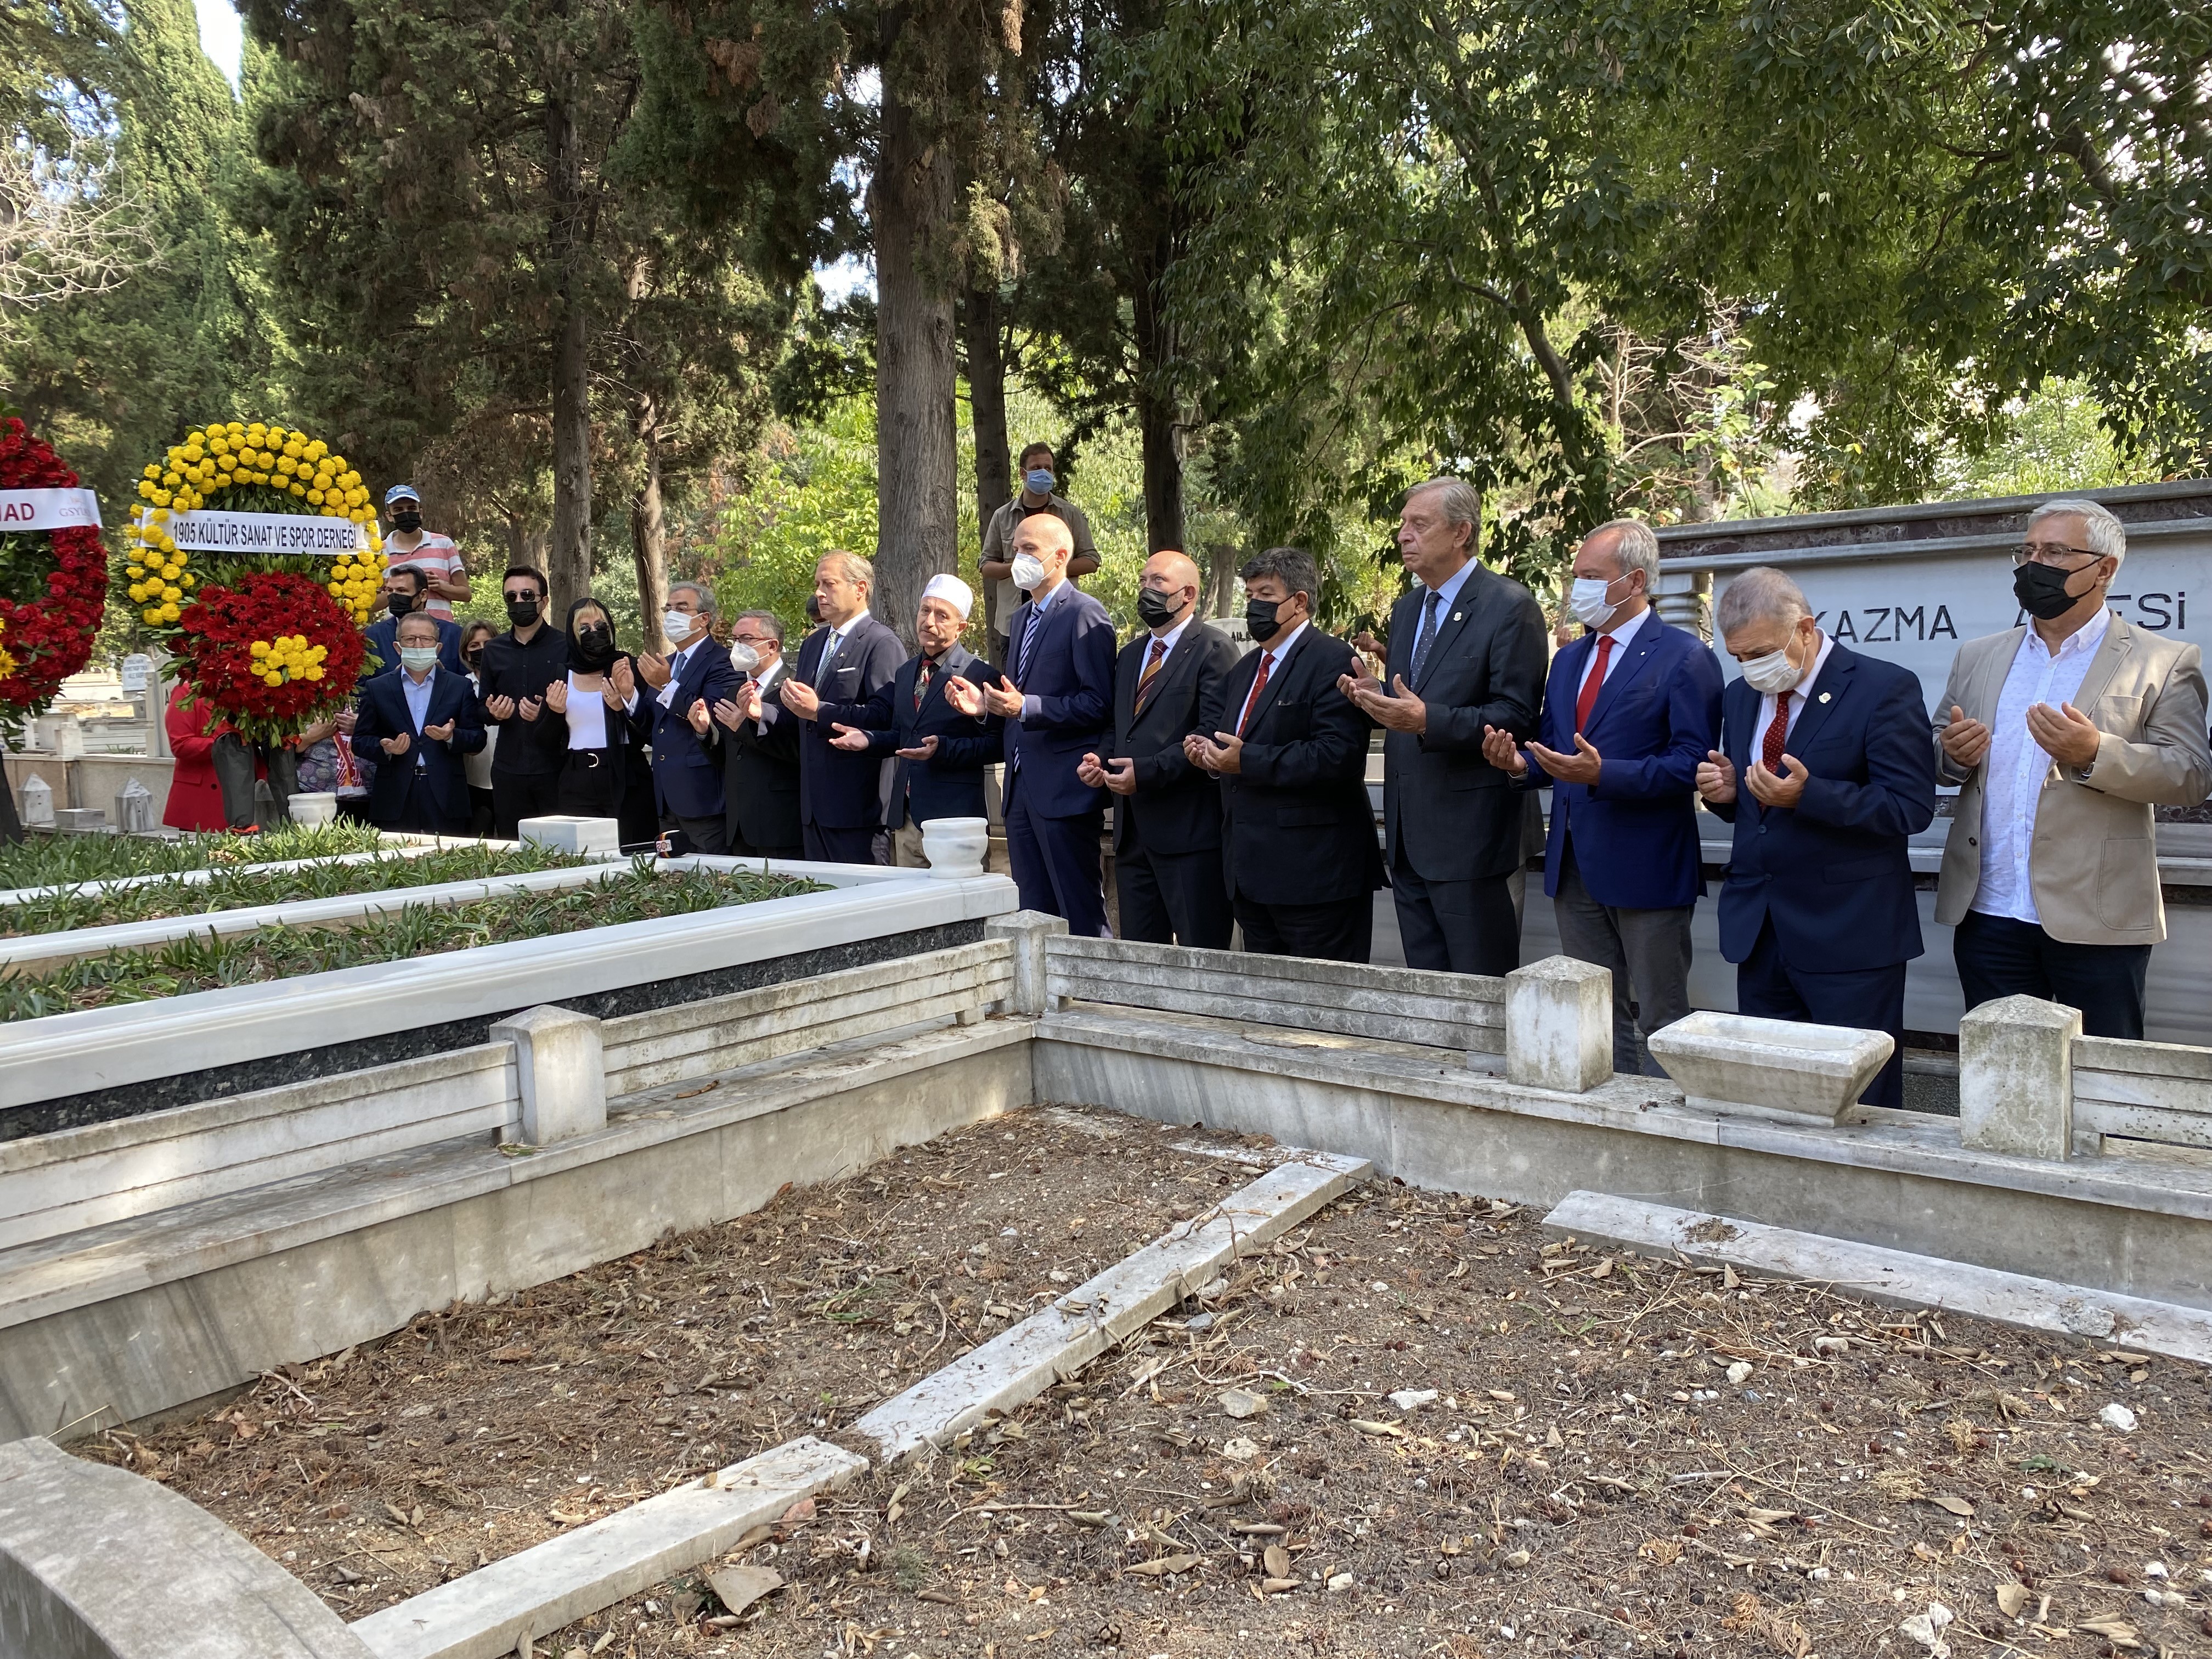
(416, 723)
(844, 663)
(941, 752)
(1058, 705)
(1826, 770)
(1631, 711)
(674, 713)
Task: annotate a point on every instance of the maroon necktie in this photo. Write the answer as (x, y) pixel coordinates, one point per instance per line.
(1593, 683)
(1778, 734)
(1259, 685)
(922, 680)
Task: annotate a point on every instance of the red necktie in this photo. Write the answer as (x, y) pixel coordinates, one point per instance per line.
(1259, 685)
(1153, 659)
(1778, 734)
(922, 680)
(1593, 683)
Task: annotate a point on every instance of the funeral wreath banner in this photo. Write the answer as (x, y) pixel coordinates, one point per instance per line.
(253, 557)
(53, 571)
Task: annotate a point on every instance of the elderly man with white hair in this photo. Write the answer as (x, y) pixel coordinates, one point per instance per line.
(2065, 733)
(844, 662)
(941, 752)
(1825, 771)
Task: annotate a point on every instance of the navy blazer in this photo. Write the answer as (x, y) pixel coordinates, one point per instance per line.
(382, 712)
(949, 783)
(1832, 870)
(1447, 812)
(687, 772)
(1177, 805)
(381, 645)
(1070, 674)
(838, 791)
(1655, 718)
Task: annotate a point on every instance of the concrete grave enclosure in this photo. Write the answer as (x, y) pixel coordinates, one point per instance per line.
(150, 1259)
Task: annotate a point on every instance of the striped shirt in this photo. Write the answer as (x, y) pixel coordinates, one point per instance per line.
(436, 557)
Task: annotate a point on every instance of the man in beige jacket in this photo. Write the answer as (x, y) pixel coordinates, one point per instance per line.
(2065, 734)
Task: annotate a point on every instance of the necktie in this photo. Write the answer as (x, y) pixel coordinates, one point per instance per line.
(1427, 634)
(1029, 639)
(1778, 734)
(1593, 683)
(921, 681)
(1153, 659)
(1259, 685)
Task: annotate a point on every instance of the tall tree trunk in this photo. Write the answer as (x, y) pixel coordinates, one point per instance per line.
(569, 560)
(1157, 409)
(649, 530)
(917, 454)
(986, 402)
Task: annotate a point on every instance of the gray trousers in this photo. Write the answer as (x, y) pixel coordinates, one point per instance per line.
(1649, 952)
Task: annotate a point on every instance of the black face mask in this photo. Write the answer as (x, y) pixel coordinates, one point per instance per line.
(2042, 593)
(409, 522)
(400, 603)
(1260, 619)
(1156, 610)
(595, 642)
(522, 612)
(473, 655)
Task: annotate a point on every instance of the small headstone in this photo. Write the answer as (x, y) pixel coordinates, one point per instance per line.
(37, 804)
(134, 809)
(137, 668)
(81, 820)
(572, 835)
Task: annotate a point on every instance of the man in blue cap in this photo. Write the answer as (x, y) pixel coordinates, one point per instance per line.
(434, 556)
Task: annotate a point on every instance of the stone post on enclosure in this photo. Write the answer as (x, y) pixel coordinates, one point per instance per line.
(1559, 1025)
(1028, 930)
(2016, 1077)
(560, 1063)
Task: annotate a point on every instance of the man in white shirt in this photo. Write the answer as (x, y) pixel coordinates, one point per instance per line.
(1167, 880)
(2065, 734)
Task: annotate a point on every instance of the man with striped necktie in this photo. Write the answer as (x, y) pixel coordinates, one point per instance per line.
(1167, 814)
(1826, 770)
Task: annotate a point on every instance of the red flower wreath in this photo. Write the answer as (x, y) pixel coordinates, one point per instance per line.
(221, 627)
(47, 637)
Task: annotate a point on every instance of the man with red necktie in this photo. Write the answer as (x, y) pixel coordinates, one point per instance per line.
(1167, 880)
(1631, 709)
(1826, 770)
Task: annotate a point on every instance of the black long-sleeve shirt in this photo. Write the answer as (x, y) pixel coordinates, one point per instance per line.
(513, 668)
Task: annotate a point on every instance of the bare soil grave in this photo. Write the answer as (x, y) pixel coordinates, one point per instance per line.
(1589, 1453)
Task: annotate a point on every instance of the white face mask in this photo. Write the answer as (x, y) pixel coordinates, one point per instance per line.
(1029, 572)
(1773, 673)
(419, 658)
(1586, 599)
(676, 625)
(744, 659)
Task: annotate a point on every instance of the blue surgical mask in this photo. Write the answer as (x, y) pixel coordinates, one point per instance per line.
(1040, 480)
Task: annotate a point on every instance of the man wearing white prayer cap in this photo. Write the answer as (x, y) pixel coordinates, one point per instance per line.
(941, 751)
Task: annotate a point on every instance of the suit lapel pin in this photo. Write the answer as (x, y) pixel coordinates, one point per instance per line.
(1455, 615)
(1823, 697)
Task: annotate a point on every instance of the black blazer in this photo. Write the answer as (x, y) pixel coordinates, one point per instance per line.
(836, 790)
(383, 713)
(1299, 827)
(1177, 806)
(760, 776)
(949, 783)
(1450, 813)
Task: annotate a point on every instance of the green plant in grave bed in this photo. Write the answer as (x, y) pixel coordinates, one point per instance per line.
(246, 885)
(208, 961)
(54, 860)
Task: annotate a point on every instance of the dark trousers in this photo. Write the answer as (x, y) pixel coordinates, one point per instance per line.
(707, 835)
(518, 795)
(1340, 930)
(1055, 865)
(1648, 950)
(421, 813)
(1462, 926)
(825, 846)
(2000, 957)
(1172, 898)
(1871, 999)
(480, 811)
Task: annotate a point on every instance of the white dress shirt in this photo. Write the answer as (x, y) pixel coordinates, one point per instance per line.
(768, 710)
(1620, 637)
(667, 697)
(2016, 768)
(1274, 654)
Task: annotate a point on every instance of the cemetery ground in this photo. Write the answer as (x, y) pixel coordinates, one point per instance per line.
(1415, 1425)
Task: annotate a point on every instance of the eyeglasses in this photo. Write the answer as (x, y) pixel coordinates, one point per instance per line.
(2051, 553)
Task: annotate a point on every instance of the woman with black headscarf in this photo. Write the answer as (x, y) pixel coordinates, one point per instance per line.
(589, 713)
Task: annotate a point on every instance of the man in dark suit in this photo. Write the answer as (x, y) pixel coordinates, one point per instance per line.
(1826, 770)
(1057, 706)
(1167, 813)
(941, 752)
(1466, 654)
(675, 712)
(406, 590)
(1291, 753)
(1631, 709)
(759, 743)
(416, 723)
(844, 662)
